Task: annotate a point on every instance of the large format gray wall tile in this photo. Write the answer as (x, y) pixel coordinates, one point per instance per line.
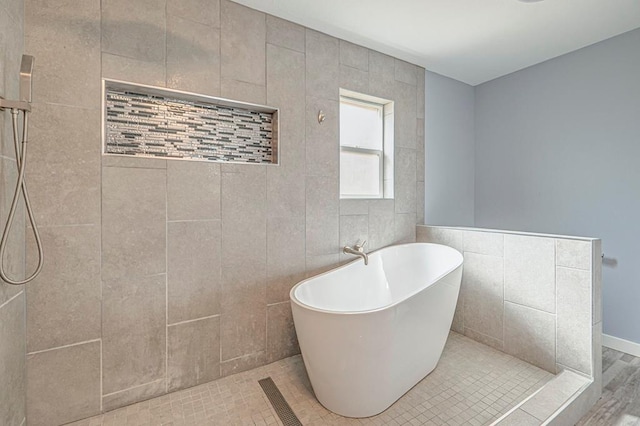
(381, 75)
(381, 223)
(64, 183)
(449, 237)
(323, 210)
(596, 262)
(12, 361)
(286, 91)
(322, 148)
(244, 258)
(573, 253)
(193, 270)
(63, 384)
(282, 341)
(243, 91)
(405, 177)
(193, 353)
(483, 289)
(133, 332)
(406, 72)
(135, 29)
(354, 79)
(116, 67)
(193, 190)
(405, 115)
(530, 334)
(285, 256)
(489, 243)
(64, 300)
(420, 94)
(12, 298)
(14, 258)
(205, 12)
(64, 37)
(285, 34)
(323, 65)
(405, 228)
(574, 318)
(354, 56)
(133, 222)
(529, 271)
(242, 43)
(193, 56)
(244, 363)
(129, 396)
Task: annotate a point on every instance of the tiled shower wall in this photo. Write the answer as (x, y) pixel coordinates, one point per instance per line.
(12, 299)
(164, 274)
(534, 297)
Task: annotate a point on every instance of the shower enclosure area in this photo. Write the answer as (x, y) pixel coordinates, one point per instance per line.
(161, 274)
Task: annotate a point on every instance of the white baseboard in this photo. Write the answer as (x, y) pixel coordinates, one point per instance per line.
(621, 345)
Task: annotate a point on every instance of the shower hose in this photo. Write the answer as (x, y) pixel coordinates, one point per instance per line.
(21, 186)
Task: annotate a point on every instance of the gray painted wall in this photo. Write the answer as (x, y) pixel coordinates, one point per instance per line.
(449, 153)
(558, 151)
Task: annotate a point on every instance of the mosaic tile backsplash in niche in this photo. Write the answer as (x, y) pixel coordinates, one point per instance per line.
(154, 125)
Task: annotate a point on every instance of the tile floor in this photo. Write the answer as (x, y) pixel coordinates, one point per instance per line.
(472, 385)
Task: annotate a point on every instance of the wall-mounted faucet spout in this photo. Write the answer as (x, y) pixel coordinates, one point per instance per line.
(357, 250)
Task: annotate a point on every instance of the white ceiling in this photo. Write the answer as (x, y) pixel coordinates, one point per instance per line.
(469, 40)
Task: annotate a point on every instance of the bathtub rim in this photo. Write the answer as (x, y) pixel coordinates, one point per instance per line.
(298, 302)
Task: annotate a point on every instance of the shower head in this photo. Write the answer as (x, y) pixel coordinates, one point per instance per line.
(26, 69)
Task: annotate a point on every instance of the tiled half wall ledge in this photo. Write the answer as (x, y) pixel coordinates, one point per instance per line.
(536, 297)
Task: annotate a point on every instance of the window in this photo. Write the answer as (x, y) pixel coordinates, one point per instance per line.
(366, 146)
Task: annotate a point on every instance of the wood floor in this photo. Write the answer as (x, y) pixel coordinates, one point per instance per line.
(620, 401)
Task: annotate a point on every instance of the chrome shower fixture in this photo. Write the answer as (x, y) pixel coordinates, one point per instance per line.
(26, 70)
(15, 107)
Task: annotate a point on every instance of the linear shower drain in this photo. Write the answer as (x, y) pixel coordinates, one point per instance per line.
(280, 405)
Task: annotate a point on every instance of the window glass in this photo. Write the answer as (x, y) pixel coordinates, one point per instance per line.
(359, 174)
(360, 124)
(366, 146)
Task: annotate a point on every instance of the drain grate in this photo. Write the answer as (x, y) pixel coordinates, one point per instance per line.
(280, 405)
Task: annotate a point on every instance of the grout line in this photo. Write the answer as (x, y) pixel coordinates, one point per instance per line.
(71, 225)
(278, 303)
(244, 356)
(192, 320)
(529, 307)
(573, 268)
(285, 47)
(166, 264)
(58, 104)
(192, 220)
(14, 297)
(131, 388)
(100, 233)
(64, 346)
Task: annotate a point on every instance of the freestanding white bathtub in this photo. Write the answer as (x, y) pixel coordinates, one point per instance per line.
(368, 334)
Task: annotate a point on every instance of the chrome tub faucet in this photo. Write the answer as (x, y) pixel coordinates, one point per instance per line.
(357, 250)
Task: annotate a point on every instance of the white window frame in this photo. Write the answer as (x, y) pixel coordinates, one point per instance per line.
(385, 155)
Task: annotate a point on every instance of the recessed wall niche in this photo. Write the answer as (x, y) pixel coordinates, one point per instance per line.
(148, 121)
